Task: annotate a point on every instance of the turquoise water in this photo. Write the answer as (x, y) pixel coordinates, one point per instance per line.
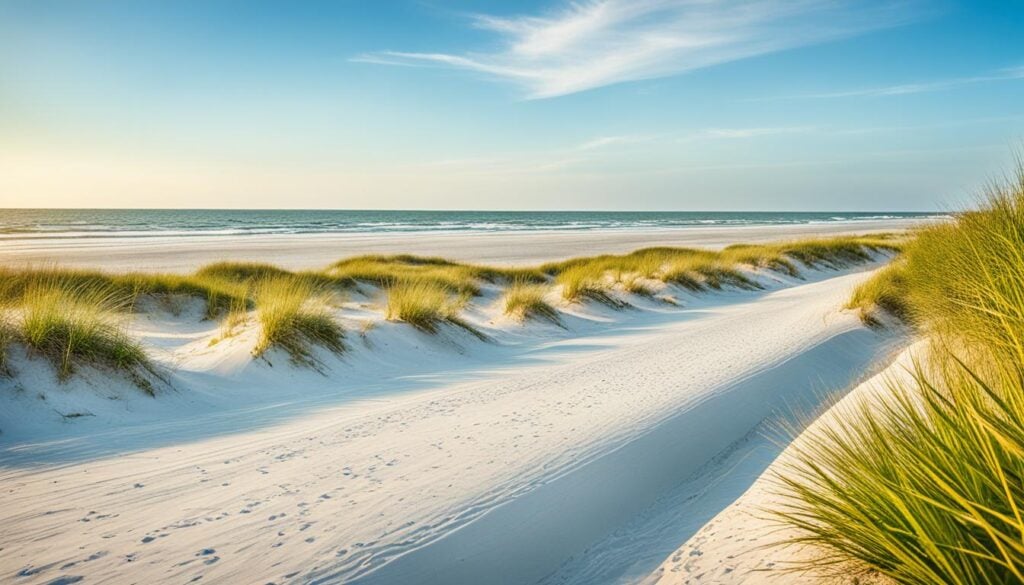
(84, 223)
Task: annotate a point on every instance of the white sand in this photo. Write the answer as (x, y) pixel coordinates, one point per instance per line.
(318, 250)
(583, 455)
(742, 545)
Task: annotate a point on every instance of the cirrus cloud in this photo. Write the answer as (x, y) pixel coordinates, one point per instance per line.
(591, 44)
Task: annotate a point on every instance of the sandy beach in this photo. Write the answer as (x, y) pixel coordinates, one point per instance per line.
(568, 292)
(317, 250)
(585, 453)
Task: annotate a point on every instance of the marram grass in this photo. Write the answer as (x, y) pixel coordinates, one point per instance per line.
(423, 291)
(524, 300)
(927, 485)
(426, 305)
(72, 326)
(924, 487)
(587, 282)
(293, 315)
(884, 293)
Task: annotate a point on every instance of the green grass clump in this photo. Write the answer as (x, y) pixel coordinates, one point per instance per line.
(964, 279)
(586, 282)
(634, 284)
(389, 270)
(426, 305)
(293, 315)
(682, 272)
(76, 326)
(886, 291)
(927, 485)
(523, 301)
(698, 271)
(924, 487)
(239, 271)
(219, 293)
(834, 252)
(760, 256)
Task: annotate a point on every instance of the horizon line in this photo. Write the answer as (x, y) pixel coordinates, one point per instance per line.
(454, 210)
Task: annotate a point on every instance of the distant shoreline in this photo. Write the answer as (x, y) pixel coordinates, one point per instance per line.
(314, 250)
(20, 224)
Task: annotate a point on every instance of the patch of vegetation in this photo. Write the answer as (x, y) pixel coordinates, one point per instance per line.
(634, 284)
(218, 293)
(423, 291)
(293, 315)
(886, 292)
(586, 281)
(523, 301)
(456, 277)
(426, 305)
(925, 486)
(80, 326)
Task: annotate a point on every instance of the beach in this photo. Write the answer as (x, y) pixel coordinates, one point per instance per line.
(583, 452)
(315, 250)
(569, 292)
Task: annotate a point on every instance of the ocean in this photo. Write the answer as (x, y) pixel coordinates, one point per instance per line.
(86, 223)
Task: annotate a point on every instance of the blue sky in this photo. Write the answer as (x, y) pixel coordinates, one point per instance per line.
(593, 104)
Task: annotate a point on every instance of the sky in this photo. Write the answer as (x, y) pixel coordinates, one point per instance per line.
(819, 105)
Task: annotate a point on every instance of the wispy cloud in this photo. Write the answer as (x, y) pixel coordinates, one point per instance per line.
(748, 132)
(597, 152)
(910, 88)
(605, 141)
(594, 43)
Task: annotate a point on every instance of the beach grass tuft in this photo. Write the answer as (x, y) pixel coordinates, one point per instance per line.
(885, 292)
(73, 326)
(586, 281)
(293, 315)
(426, 305)
(925, 484)
(524, 300)
(635, 284)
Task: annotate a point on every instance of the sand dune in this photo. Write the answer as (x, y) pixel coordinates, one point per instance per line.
(443, 459)
(741, 545)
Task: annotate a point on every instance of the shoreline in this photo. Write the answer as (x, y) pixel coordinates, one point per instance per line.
(306, 251)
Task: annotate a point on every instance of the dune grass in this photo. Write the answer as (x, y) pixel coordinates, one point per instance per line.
(293, 315)
(587, 282)
(423, 291)
(787, 257)
(79, 326)
(459, 278)
(523, 300)
(634, 284)
(927, 485)
(426, 305)
(698, 270)
(219, 293)
(885, 292)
